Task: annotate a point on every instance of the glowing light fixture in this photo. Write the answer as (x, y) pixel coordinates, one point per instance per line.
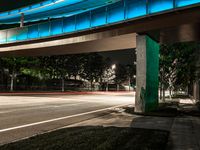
(58, 1)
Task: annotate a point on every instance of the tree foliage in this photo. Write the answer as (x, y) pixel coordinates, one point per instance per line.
(177, 64)
(89, 67)
(121, 74)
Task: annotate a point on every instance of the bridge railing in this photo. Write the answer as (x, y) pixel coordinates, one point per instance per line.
(115, 13)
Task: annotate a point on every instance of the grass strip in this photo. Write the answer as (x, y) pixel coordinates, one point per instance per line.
(94, 138)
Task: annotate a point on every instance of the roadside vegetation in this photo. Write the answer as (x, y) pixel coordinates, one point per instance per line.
(179, 68)
(64, 72)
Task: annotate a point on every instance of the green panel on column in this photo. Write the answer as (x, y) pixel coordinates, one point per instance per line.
(152, 70)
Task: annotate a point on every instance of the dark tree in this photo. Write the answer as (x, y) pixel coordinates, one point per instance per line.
(93, 66)
(121, 75)
(177, 65)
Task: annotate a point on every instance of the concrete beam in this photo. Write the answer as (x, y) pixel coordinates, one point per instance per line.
(82, 44)
(182, 33)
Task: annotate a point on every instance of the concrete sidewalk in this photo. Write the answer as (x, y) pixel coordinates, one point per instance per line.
(184, 129)
(185, 134)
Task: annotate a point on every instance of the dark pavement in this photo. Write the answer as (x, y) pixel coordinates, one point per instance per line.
(25, 116)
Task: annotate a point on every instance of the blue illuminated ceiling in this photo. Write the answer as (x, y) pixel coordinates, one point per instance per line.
(52, 9)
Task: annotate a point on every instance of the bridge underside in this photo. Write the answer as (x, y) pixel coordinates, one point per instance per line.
(83, 44)
(175, 26)
(101, 41)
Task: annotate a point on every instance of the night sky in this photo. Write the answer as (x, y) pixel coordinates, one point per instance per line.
(13, 4)
(121, 56)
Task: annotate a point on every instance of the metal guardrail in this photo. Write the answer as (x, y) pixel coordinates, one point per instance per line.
(115, 13)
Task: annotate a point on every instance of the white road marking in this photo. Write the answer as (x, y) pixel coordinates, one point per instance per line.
(61, 118)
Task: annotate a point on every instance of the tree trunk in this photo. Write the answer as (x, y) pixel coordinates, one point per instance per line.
(163, 90)
(101, 85)
(160, 91)
(12, 81)
(170, 93)
(63, 84)
(187, 91)
(6, 83)
(170, 89)
(91, 86)
(117, 87)
(107, 86)
(2, 79)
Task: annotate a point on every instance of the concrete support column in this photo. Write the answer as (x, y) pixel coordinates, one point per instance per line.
(147, 74)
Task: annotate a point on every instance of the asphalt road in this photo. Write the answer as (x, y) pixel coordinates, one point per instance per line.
(25, 116)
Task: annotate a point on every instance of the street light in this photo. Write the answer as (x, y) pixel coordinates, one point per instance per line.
(113, 66)
(109, 74)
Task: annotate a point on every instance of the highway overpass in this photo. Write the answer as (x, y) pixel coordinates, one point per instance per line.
(105, 26)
